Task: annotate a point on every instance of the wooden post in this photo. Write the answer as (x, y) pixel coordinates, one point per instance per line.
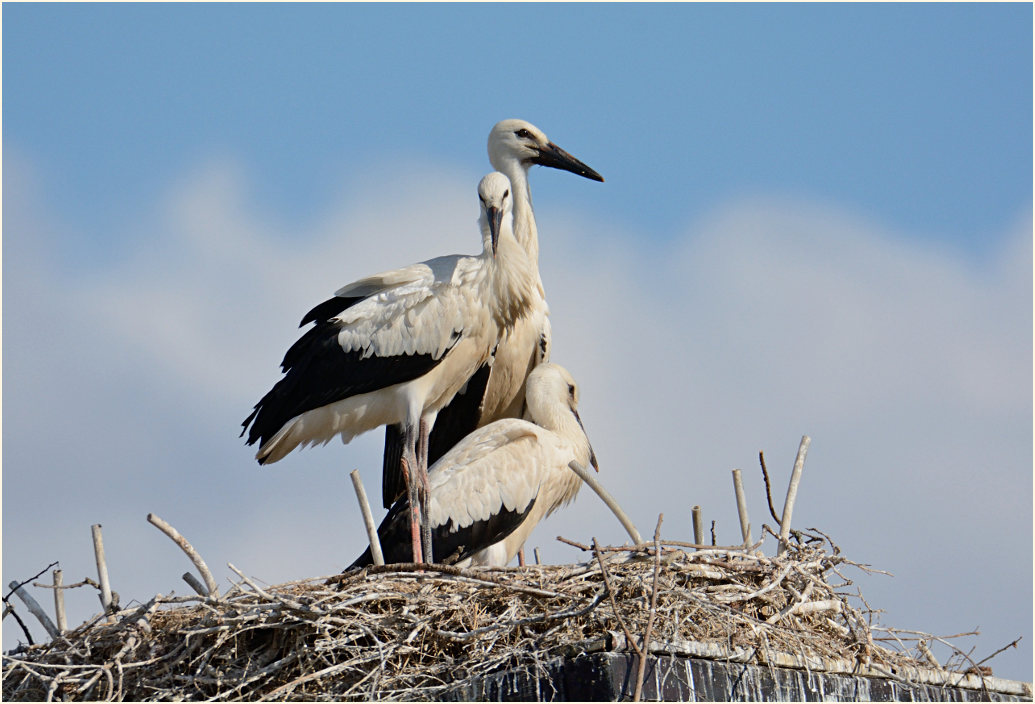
(368, 519)
(102, 570)
(792, 493)
(695, 513)
(742, 511)
(59, 602)
(34, 608)
(537, 561)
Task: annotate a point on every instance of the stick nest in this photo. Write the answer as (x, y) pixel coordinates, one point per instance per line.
(394, 632)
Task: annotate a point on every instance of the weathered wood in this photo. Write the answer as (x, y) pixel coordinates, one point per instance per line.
(59, 602)
(102, 568)
(368, 519)
(34, 608)
(607, 499)
(187, 548)
(642, 661)
(792, 493)
(197, 586)
(695, 514)
(742, 511)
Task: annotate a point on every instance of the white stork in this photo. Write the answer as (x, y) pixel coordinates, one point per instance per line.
(395, 347)
(497, 390)
(489, 491)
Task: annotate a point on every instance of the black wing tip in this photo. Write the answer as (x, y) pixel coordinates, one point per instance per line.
(364, 560)
(323, 312)
(252, 437)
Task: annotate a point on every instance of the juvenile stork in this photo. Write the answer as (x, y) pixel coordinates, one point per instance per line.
(395, 347)
(497, 389)
(488, 492)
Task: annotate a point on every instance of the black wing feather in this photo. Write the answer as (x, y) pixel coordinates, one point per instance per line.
(319, 372)
(323, 312)
(397, 544)
(460, 417)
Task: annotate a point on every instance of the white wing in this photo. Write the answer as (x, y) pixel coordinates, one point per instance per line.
(499, 466)
(420, 309)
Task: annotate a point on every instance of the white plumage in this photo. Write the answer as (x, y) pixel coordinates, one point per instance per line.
(488, 493)
(514, 146)
(395, 347)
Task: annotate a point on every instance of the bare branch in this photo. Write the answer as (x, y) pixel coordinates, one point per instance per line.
(792, 493)
(614, 605)
(102, 567)
(59, 602)
(197, 586)
(368, 519)
(645, 644)
(768, 488)
(187, 548)
(35, 609)
(607, 499)
(742, 511)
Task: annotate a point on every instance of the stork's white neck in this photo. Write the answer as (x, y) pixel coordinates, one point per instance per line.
(524, 218)
(549, 409)
(557, 416)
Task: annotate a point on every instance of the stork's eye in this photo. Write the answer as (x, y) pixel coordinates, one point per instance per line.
(506, 193)
(571, 390)
(523, 133)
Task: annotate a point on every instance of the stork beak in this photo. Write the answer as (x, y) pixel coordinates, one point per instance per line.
(495, 223)
(592, 454)
(553, 156)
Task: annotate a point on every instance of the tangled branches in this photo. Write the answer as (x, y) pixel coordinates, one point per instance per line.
(399, 632)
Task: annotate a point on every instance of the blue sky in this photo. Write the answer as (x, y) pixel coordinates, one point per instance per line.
(917, 113)
(816, 218)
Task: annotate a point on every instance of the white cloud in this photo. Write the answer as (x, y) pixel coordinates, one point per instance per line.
(908, 365)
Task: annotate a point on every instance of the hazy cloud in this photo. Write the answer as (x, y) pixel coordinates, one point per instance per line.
(908, 364)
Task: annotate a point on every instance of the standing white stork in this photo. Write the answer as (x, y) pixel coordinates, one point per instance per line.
(489, 491)
(497, 389)
(395, 347)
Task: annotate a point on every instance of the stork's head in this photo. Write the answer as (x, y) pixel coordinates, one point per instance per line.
(516, 142)
(497, 203)
(551, 387)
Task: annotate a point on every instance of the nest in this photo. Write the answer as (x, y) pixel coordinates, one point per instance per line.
(404, 632)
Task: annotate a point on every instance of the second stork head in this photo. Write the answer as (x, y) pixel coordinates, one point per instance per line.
(496, 205)
(553, 394)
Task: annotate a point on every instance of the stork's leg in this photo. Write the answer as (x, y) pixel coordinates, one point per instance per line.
(411, 473)
(422, 459)
(521, 556)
